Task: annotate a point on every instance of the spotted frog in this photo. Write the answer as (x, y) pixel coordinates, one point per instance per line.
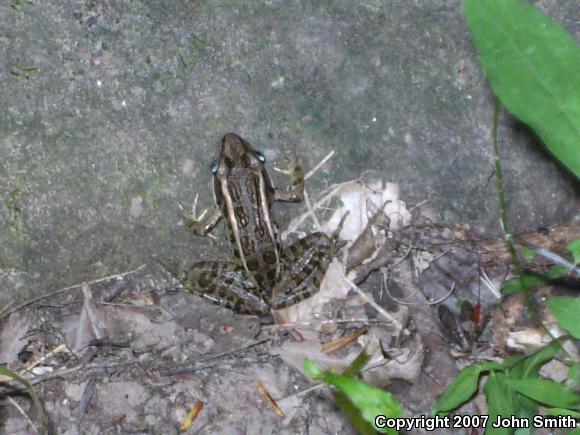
(262, 275)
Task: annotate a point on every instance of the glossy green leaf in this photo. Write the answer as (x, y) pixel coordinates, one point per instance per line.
(547, 392)
(574, 248)
(574, 375)
(512, 361)
(532, 64)
(357, 365)
(531, 280)
(566, 310)
(532, 364)
(369, 400)
(560, 411)
(353, 414)
(500, 401)
(312, 369)
(463, 387)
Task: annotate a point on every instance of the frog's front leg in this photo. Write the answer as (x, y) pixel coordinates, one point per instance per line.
(203, 224)
(295, 192)
(226, 284)
(306, 262)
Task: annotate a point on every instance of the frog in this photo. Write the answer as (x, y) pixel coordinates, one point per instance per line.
(262, 274)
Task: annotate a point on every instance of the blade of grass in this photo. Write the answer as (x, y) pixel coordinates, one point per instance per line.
(33, 396)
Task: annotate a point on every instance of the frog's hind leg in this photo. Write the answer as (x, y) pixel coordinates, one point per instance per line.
(305, 264)
(226, 284)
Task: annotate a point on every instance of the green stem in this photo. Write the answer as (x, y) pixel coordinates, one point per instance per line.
(503, 216)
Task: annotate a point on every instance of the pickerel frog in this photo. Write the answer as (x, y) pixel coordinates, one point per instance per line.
(262, 275)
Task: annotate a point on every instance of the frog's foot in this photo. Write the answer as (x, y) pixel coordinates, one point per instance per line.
(226, 284)
(199, 225)
(295, 192)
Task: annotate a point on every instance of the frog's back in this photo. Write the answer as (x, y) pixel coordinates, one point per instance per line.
(245, 193)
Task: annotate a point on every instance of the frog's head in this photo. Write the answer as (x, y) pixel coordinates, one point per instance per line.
(234, 153)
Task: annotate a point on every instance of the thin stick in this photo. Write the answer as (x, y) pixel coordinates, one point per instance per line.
(373, 304)
(317, 205)
(58, 349)
(65, 289)
(231, 352)
(557, 259)
(21, 411)
(416, 304)
(319, 165)
(489, 284)
(311, 211)
(320, 322)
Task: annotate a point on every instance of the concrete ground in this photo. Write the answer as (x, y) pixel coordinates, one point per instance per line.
(110, 112)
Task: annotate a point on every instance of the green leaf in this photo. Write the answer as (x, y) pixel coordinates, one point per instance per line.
(532, 64)
(574, 248)
(512, 361)
(528, 253)
(560, 411)
(500, 401)
(532, 364)
(312, 369)
(567, 312)
(547, 392)
(369, 400)
(531, 280)
(574, 375)
(43, 420)
(463, 387)
(353, 414)
(357, 365)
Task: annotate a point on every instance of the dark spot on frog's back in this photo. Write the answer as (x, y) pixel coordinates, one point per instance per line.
(253, 264)
(245, 160)
(205, 279)
(241, 217)
(270, 257)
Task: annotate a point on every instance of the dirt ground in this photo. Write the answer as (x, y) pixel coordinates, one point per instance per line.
(134, 354)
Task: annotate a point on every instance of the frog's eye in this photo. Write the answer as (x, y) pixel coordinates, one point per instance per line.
(260, 156)
(214, 166)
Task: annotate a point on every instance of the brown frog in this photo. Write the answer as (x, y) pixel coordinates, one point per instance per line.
(262, 275)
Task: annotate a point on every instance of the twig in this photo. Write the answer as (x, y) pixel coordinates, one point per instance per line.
(65, 289)
(303, 392)
(557, 259)
(373, 304)
(489, 284)
(232, 352)
(211, 364)
(266, 395)
(204, 363)
(311, 211)
(58, 349)
(21, 411)
(86, 397)
(117, 289)
(415, 304)
(319, 165)
(320, 322)
(327, 196)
